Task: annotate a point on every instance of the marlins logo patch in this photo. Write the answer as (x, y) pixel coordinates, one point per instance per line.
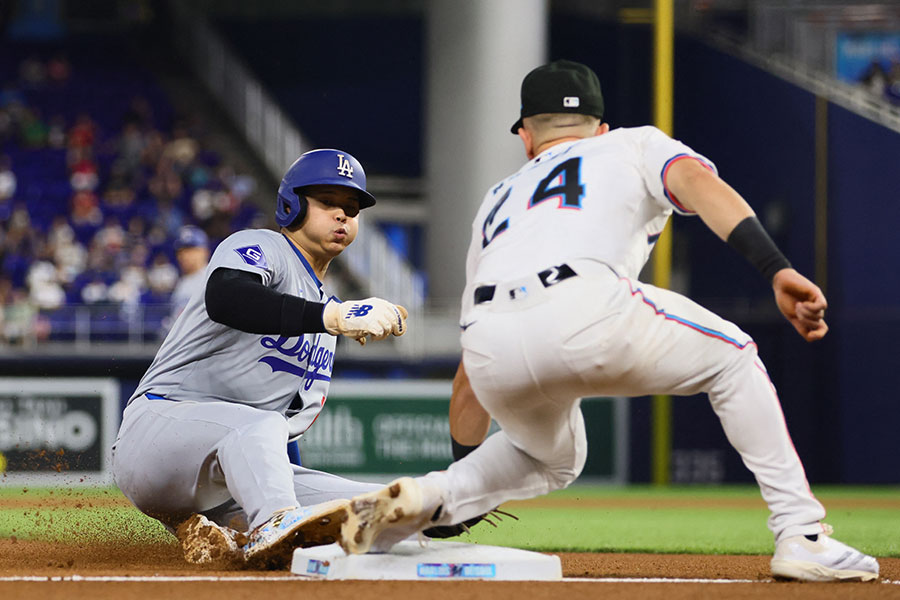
(253, 256)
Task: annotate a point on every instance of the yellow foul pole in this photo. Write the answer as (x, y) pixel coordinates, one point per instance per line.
(663, 42)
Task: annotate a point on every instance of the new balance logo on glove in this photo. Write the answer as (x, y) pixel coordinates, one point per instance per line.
(358, 310)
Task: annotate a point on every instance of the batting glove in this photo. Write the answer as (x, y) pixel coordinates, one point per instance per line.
(358, 319)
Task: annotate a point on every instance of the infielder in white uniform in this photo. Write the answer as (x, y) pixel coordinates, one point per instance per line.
(553, 312)
(245, 368)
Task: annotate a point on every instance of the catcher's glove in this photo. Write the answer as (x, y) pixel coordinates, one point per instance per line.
(446, 531)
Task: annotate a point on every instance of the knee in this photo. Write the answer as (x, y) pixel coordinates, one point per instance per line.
(266, 424)
(561, 475)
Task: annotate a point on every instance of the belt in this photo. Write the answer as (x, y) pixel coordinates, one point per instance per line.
(548, 277)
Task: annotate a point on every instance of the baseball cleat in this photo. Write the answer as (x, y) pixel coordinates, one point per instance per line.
(821, 559)
(271, 545)
(378, 520)
(204, 542)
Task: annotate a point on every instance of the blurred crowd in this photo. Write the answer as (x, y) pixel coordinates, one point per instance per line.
(89, 215)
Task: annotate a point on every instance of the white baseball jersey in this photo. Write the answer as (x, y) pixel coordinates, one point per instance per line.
(601, 197)
(205, 361)
(537, 340)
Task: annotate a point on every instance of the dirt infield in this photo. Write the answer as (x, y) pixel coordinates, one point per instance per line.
(158, 571)
(88, 570)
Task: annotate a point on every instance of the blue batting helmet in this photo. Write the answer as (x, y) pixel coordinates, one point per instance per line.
(318, 167)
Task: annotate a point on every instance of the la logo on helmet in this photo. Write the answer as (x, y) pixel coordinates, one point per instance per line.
(344, 167)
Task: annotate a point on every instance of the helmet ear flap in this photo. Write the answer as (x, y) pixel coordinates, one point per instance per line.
(291, 208)
(302, 207)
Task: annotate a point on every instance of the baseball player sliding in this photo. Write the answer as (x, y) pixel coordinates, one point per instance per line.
(245, 368)
(553, 312)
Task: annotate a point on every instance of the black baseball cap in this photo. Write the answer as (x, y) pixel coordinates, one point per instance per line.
(562, 86)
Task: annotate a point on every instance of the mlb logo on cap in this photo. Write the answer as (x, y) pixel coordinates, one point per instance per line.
(571, 101)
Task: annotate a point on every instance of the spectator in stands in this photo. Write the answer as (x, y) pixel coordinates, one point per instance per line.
(85, 215)
(56, 134)
(7, 185)
(83, 170)
(58, 69)
(83, 132)
(32, 72)
(130, 149)
(874, 78)
(130, 286)
(111, 238)
(162, 278)
(154, 145)
(18, 317)
(44, 289)
(19, 245)
(119, 197)
(69, 256)
(139, 113)
(192, 254)
(182, 149)
(32, 130)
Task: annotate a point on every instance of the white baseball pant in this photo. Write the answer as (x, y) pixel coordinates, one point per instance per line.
(533, 352)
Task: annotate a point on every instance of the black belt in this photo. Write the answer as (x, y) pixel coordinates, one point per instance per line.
(548, 277)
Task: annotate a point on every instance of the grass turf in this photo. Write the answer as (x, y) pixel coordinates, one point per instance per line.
(726, 519)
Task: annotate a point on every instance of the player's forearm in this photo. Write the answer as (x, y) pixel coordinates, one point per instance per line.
(239, 300)
(703, 192)
(469, 422)
(727, 214)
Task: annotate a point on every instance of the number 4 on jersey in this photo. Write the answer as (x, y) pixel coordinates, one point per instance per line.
(568, 189)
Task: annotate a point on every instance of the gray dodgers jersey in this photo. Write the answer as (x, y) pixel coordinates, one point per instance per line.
(204, 361)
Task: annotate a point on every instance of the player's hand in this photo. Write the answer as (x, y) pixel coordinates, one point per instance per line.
(802, 303)
(358, 319)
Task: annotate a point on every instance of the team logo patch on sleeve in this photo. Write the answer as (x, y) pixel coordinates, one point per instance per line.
(253, 256)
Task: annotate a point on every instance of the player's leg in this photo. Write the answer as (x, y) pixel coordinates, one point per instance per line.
(675, 346)
(494, 473)
(541, 446)
(501, 469)
(511, 359)
(173, 459)
(666, 343)
(310, 486)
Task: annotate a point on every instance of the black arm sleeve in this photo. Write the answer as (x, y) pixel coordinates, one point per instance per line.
(239, 299)
(753, 243)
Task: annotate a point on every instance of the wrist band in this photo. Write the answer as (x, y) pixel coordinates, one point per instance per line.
(753, 243)
(460, 450)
